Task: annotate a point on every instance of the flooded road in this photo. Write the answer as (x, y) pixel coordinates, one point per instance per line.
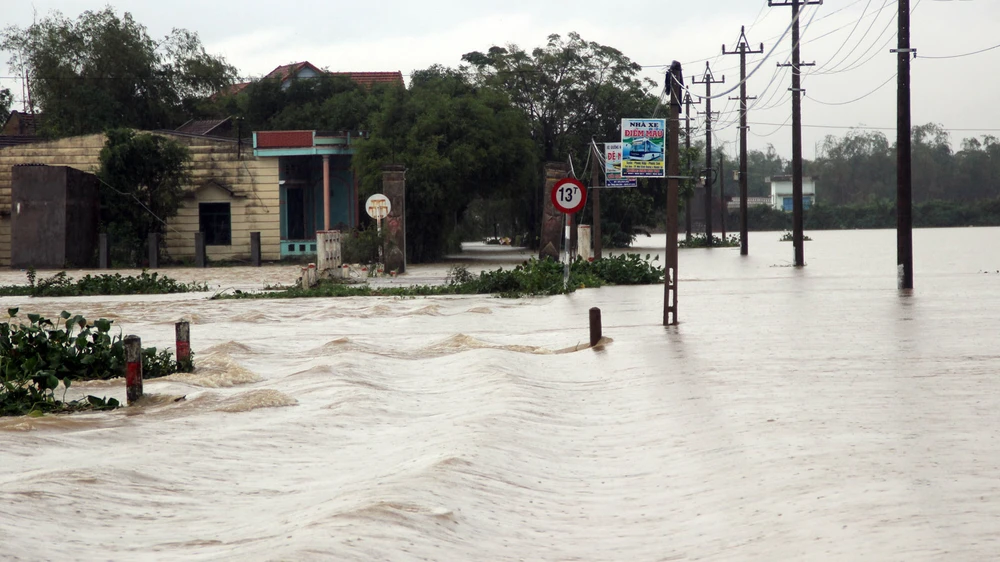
(814, 413)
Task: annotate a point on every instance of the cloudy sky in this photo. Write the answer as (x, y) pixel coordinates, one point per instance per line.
(849, 40)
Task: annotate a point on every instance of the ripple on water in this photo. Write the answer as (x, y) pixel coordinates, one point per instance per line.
(255, 400)
(217, 370)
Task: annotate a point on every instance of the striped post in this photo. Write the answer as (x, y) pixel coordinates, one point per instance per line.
(182, 331)
(133, 368)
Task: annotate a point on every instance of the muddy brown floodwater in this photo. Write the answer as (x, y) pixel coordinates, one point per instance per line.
(794, 414)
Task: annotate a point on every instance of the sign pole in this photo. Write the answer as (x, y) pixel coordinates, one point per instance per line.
(568, 197)
(567, 224)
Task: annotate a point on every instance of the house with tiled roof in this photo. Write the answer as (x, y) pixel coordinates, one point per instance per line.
(286, 73)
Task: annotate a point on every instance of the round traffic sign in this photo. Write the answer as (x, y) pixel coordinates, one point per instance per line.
(378, 206)
(569, 195)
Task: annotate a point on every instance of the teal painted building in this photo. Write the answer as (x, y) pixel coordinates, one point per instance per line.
(317, 188)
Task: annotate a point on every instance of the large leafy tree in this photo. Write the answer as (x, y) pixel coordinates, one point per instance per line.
(143, 177)
(573, 91)
(325, 102)
(458, 142)
(104, 71)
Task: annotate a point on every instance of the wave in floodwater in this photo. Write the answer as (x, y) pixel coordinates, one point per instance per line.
(814, 413)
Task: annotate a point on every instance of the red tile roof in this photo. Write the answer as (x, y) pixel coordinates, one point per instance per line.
(368, 79)
(288, 71)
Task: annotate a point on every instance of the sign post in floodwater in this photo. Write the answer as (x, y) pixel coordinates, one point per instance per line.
(568, 196)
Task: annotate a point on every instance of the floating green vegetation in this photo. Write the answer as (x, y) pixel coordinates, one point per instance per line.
(39, 356)
(531, 278)
(61, 285)
(698, 241)
(788, 237)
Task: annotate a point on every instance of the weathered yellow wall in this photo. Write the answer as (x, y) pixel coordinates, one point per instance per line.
(254, 206)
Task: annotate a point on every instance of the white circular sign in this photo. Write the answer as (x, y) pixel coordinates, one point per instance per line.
(569, 196)
(378, 206)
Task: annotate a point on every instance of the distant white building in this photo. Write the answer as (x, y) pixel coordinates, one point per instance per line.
(781, 192)
(734, 203)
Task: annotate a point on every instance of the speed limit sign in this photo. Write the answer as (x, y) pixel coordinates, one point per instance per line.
(569, 196)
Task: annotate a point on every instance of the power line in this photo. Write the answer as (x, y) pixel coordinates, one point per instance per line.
(962, 55)
(882, 85)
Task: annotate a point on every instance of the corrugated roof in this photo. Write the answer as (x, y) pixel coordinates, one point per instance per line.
(201, 126)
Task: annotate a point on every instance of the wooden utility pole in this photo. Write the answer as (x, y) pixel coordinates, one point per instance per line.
(595, 200)
(688, 102)
(743, 49)
(796, 64)
(675, 79)
(708, 79)
(904, 199)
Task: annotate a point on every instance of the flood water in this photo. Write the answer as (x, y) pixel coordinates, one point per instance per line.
(794, 414)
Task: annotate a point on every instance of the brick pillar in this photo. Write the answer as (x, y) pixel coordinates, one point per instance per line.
(552, 220)
(394, 187)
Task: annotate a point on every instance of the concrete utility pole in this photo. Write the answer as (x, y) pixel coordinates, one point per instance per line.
(796, 90)
(708, 79)
(904, 194)
(595, 200)
(675, 79)
(723, 208)
(688, 102)
(743, 49)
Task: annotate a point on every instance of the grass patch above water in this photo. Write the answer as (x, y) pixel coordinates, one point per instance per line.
(61, 285)
(531, 278)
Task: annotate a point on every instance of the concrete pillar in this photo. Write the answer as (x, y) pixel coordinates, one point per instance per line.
(255, 249)
(326, 192)
(103, 251)
(583, 248)
(154, 250)
(199, 249)
(552, 220)
(133, 368)
(328, 258)
(394, 187)
(182, 333)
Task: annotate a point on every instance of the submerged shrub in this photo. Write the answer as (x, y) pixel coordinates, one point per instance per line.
(37, 356)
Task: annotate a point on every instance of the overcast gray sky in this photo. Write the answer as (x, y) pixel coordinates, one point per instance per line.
(848, 39)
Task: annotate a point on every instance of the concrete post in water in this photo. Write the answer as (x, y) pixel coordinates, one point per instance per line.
(328, 256)
(199, 249)
(103, 251)
(583, 249)
(552, 220)
(595, 326)
(154, 250)
(255, 249)
(182, 331)
(133, 368)
(394, 187)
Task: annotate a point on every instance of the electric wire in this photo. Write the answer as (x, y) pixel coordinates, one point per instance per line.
(980, 51)
(879, 87)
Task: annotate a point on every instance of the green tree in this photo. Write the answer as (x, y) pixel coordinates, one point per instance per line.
(573, 91)
(143, 177)
(458, 142)
(6, 99)
(103, 71)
